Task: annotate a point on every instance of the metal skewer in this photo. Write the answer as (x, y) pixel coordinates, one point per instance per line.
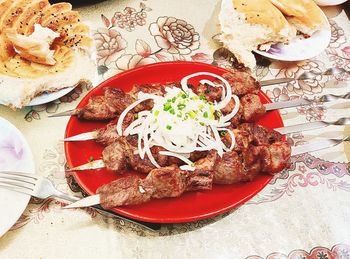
(299, 150)
(268, 106)
(283, 130)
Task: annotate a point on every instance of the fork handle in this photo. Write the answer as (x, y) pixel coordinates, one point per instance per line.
(148, 225)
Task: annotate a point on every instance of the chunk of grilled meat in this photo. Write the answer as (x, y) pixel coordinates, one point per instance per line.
(250, 110)
(108, 135)
(107, 106)
(125, 191)
(114, 101)
(123, 153)
(234, 167)
(260, 135)
(160, 183)
(241, 84)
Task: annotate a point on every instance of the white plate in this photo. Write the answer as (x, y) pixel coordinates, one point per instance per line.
(49, 97)
(329, 2)
(15, 154)
(300, 48)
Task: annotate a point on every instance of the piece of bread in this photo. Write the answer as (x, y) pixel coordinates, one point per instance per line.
(248, 24)
(304, 15)
(29, 66)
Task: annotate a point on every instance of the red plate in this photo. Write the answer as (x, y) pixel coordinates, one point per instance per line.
(190, 206)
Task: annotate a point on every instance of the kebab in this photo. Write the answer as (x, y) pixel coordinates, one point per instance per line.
(184, 108)
(228, 162)
(114, 100)
(171, 181)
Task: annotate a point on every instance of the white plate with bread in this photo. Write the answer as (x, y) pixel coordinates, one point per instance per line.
(287, 30)
(47, 49)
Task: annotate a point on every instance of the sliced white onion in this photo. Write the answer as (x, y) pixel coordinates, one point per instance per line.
(125, 112)
(196, 134)
(229, 116)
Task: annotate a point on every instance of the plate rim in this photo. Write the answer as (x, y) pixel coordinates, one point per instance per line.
(31, 157)
(120, 210)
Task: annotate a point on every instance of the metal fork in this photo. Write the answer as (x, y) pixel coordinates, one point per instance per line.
(329, 72)
(41, 187)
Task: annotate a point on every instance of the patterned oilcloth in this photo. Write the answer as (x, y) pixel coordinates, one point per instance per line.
(302, 213)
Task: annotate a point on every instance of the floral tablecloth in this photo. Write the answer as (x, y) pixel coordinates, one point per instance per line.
(302, 213)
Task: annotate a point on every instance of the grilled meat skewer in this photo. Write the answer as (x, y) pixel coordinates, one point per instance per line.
(250, 110)
(124, 152)
(170, 181)
(114, 101)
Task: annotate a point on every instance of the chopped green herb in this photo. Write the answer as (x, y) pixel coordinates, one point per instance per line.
(202, 123)
(168, 127)
(223, 133)
(156, 113)
(167, 107)
(202, 97)
(174, 99)
(172, 111)
(205, 114)
(192, 114)
(136, 116)
(181, 106)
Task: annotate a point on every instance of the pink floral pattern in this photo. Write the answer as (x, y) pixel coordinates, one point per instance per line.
(109, 45)
(174, 35)
(129, 18)
(339, 251)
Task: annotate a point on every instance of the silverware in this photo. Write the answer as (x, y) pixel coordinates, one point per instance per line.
(312, 126)
(329, 72)
(317, 145)
(276, 81)
(305, 76)
(304, 101)
(41, 187)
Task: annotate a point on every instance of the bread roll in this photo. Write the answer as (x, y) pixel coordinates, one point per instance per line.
(44, 48)
(304, 15)
(248, 24)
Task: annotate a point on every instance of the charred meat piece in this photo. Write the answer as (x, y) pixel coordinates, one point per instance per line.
(156, 89)
(229, 169)
(260, 135)
(108, 135)
(242, 83)
(96, 109)
(114, 101)
(114, 156)
(253, 109)
(125, 191)
(105, 107)
(250, 109)
(274, 158)
(210, 92)
(160, 183)
(242, 138)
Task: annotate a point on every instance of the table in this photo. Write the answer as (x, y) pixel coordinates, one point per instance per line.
(302, 213)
